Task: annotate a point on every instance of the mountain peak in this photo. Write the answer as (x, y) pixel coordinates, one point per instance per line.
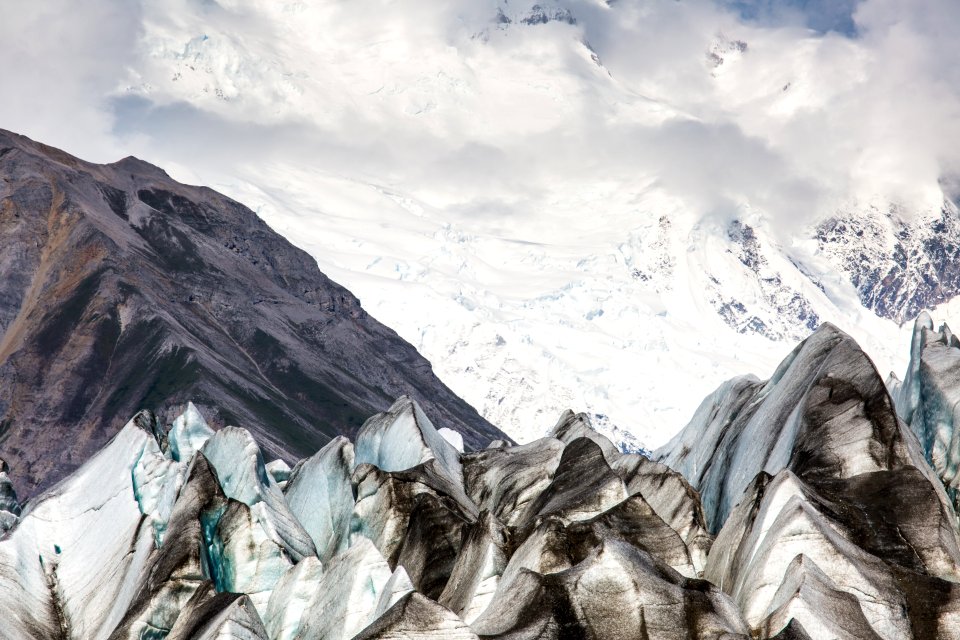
(139, 167)
(124, 289)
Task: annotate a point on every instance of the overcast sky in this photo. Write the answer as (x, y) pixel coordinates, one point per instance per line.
(815, 101)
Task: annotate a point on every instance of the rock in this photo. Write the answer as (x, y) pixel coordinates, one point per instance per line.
(123, 290)
(416, 616)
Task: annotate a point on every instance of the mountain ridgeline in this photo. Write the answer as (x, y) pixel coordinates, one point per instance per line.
(122, 289)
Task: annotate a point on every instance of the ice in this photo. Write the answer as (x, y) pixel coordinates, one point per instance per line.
(9, 505)
(616, 590)
(852, 536)
(157, 480)
(476, 574)
(348, 594)
(679, 507)
(279, 471)
(929, 399)
(672, 498)
(506, 480)
(320, 496)
(453, 437)
(416, 616)
(838, 481)
(753, 559)
(393, 509)
(225, 616)
(397, 586)
(747, 426)
(572, 425)
(402, 438)
(291, 597)
(243, 476)
(188, 434)
(181, 565)
(582, 487)
(75, 557)
(247, 558)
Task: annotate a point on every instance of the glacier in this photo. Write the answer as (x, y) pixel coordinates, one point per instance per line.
(825, 509)
(803, 506)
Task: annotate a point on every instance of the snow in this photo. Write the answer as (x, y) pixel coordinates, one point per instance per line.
(527, 325)
(453, 437)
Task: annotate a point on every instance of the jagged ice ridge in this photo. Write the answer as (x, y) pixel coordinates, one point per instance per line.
(807, 508)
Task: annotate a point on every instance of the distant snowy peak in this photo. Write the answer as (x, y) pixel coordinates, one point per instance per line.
(607, 286)
(538, 13)
(900, 263)
(724, 51)
(651, 255)
(509, 17)
(775, 307)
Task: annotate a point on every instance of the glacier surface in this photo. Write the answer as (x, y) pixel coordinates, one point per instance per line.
(802, 506)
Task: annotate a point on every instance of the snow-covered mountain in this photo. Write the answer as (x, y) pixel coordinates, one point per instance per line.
(627, 316)
(609, 206)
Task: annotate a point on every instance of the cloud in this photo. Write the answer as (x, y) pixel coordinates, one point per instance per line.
(61, 62)
(791, 106)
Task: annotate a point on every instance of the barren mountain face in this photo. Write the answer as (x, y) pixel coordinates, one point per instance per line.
(122, 289)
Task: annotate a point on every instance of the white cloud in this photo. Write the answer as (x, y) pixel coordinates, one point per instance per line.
(61, 62)
(434, 98)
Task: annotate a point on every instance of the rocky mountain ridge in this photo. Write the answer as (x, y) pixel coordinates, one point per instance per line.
(123, 289)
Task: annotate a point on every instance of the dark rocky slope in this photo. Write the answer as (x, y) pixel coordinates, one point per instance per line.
(122, 289)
